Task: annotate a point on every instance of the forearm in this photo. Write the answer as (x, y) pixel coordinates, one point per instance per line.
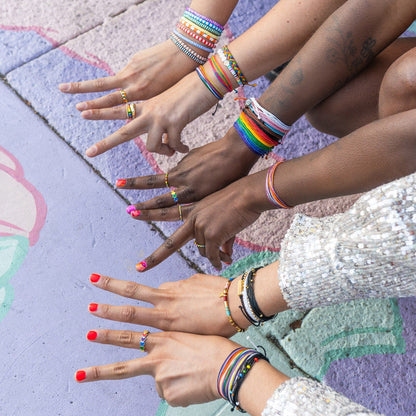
(279, 35)
(218, 10)
(342, 46)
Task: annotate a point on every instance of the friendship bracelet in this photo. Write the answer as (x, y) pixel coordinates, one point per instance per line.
(187, 50)
(199, 30)
(271, 193)
(230, 61)
(208, 83)
(204, 24)
(194, 12)
(191, 42)
(220, 74)
(224, 295)
(266, 116)
(195, 36)
(245, 305)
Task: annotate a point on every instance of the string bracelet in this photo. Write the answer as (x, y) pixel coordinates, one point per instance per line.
(207, 19)
(191, 42)
(230, 62)
(213, 28)
(224, 296)
(199, 30)
(270, 191)
(187, 50)
(208, 83)
(233, 372)
(220, 73)
(195, 36)
(245, 307)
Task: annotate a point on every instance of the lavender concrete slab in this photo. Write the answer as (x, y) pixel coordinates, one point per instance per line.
(29, 29)
(59, 222)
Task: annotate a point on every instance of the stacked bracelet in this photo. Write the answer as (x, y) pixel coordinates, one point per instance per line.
(270, 191)
(230, 62)
(224, 295)
(187, 50)
(233, 372)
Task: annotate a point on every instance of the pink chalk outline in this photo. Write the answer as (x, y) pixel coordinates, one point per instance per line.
(41, 208)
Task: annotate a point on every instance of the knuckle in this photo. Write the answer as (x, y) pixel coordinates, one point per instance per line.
(96, 373)
(126, 338)
(99, 83)
(120, 369)
(160, 202)
(124, 131)
(151, 180)
(128, 313)
(106, 283)
(169, 243)
(130, 290)
(76, 86)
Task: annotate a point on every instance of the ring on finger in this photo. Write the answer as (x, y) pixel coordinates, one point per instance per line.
(131, 110)
(166, 180)
(199, 245)
(123, 96)
(143, 340)
(174, 196)
(180, 212)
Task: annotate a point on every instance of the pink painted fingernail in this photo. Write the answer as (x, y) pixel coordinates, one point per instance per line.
(120, 182)
(130, 209)
(141, 266)
(92, 307)
(92, 335)
(135, 213)
(92, 151)
(80, 375)
(65, 87)
(94, 277)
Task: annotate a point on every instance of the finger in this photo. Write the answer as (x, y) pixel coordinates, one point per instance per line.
(173, 243)
(175, 213)
(127, 339)
(155, 143)
(162, 201)
(130, 314)
(110, 100)
(125, 288)
(174, 141)
(127, 132)
(114, 113)
(212, 253)
(143, 182)
(225, 258)
(93, 85)
(116, 371)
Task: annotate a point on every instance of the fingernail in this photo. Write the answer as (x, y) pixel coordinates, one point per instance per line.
(141, 266)
(93, 307)
(80, 375)
(91, 335)
(135, 213)
(130, 209)
(81, 106)
(94, 278)
(65, 87)
(120, 182)
(92, 151)
(227, 263)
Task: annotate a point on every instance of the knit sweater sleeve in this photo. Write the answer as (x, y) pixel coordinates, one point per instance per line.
(300, 396)
(368, 251)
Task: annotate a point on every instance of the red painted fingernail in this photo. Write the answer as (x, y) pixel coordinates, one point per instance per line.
(80, 375)
(227, 263)
(94, 278)
(130, 209)
(141, 266)
(135, 213)
(93, 307)
(120, 182)
(91, 335)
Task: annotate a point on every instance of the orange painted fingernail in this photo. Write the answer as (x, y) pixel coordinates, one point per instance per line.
(92, 335)
(130, 209)
(94, 278)
(93, 307)
(141, 266)
(120, 182)
(135, 213)
(80, 375)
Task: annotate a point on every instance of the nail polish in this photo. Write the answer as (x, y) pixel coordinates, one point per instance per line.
(141, 266)
(135, 213)
(92, 335)
(120, 182)
(94, 278)
(227, 263)
(93, 307)
(130, 209)
(80, 375)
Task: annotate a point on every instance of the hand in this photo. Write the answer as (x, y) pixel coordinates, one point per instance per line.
(203, 171)
(162, 117)
(185, 366)
(148, 73)
(213, 222)
(178, 306)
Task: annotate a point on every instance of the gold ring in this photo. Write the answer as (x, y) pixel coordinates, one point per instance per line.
(124, 96)
(199, 245)
(180, 212)
(131, 110)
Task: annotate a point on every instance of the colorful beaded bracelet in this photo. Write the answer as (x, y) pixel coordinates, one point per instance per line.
(224, 295)
(195, 36)
(204, 24)
(199, 30)
(191, 42)
(188, 9)
(270, 191)
(188, 51)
